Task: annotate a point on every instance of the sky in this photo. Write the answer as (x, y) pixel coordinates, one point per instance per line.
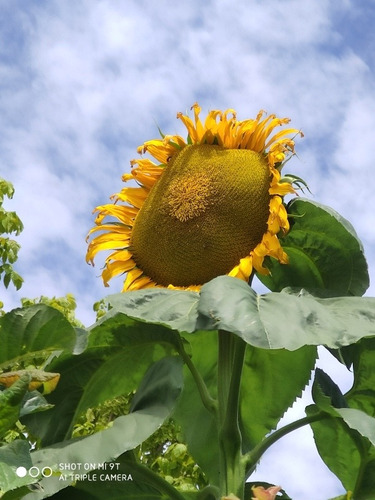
(84, 82)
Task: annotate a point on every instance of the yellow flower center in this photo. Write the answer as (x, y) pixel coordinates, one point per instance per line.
(208, 210)
(189, 196)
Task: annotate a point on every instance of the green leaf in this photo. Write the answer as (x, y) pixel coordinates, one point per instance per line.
(197, 423)
(337, 448)
(6, 188)
(129, 347)
(348, 455)
(135, 482)
(10, 403)
(362, 394)
(324, 253)
(53, 425)
(359, 421)
(152, 390)
(174, 308)
(33, 402)
(12, 456)
(346, 439)
(267, 373)
(116, 330)
(119, 352)
(106, 446)
(230, 304)
(326, 393)
(32, 332)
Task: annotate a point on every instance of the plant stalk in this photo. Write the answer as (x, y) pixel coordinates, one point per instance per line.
(230, 362)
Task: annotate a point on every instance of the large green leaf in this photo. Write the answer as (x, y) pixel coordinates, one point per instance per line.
(284, 320)
(129, 347)
(157, 388)
(135, 482)
(76, 372)
(131, 481)
(33, 332)
(324, 253)
(198, 424)
(158, 305)
(116, 329)
(230, 304)
(271, 382)
(126, 433)
(119, 351)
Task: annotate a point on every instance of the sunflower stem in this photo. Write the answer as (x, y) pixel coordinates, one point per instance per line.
(230, 362)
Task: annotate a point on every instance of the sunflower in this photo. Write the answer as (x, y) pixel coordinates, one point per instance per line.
(211, 205)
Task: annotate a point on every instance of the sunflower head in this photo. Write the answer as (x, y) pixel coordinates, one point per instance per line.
(211, 205)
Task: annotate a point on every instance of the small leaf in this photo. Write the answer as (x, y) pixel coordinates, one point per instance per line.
(38, 378)
(362, 394)
(12, 456)
(338, 448)
(10, 403)
(33, 402)
(326, 393)
(324, 253)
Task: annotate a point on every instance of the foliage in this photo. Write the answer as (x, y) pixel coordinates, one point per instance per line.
(101, 308)
(163, 452)
(224, 364)
(9, 223)
(66, 305)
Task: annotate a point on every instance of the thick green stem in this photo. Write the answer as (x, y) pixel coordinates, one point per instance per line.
(254, 455)
(207, 400)
(230, 363)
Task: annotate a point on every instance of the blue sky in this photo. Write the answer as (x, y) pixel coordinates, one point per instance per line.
(83, 83)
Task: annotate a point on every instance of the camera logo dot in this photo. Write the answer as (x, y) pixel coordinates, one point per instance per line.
(21, 471)
(34, 472)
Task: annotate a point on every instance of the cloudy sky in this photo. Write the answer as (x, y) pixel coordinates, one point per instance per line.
(84, 82)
